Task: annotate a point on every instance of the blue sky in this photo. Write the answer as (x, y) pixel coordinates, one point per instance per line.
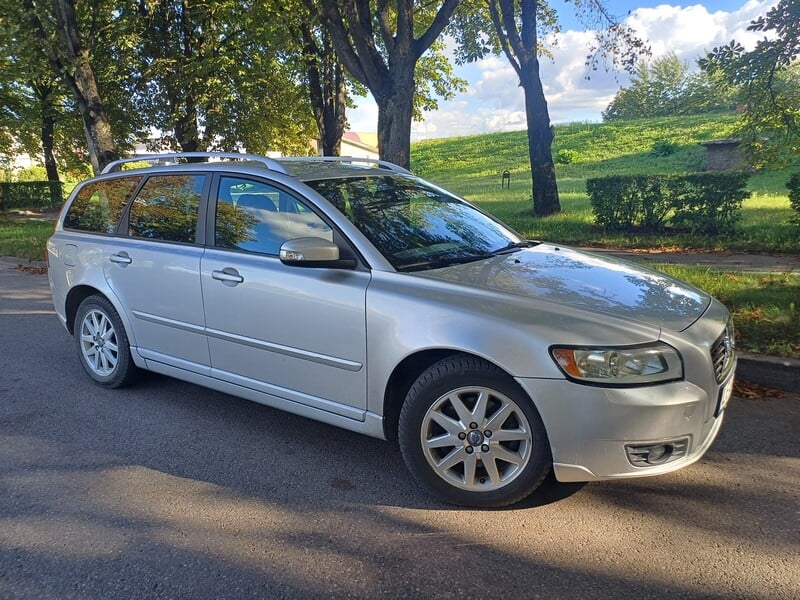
(494, 101)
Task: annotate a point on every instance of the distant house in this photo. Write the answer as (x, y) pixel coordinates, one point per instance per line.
(359, 145)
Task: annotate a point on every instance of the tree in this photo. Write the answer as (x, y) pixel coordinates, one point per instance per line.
(380, 44)
(214, 75)
(69, 50)
(516, 28)
(666, 87)
(770, 75)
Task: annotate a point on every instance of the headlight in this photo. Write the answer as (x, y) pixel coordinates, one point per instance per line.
(636, 365)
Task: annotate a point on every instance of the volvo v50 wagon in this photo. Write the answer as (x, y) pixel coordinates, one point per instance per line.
(352, 292)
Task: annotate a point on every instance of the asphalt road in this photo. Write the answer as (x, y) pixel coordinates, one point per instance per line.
(167, 490)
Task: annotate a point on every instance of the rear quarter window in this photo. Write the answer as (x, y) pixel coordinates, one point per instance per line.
(98, 206)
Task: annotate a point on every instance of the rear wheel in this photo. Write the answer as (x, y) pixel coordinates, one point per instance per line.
(471, 436)
(102, 343)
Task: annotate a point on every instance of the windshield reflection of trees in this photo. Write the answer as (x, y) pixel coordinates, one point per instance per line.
(410, 223)
(166, 208)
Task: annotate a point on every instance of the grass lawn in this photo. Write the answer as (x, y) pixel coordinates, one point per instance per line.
(24, 238)
(766, 308)
(472, 167)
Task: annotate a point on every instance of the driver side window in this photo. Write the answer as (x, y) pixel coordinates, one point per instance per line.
(257, 217)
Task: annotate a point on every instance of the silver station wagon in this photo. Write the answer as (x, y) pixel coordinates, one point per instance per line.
(352, 292)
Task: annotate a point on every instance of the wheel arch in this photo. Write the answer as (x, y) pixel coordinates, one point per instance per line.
(406, 373)
(74, 298)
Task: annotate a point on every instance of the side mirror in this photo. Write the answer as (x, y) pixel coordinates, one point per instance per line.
(313, 252)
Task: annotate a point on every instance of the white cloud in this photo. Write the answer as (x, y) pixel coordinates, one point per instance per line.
(495, 102)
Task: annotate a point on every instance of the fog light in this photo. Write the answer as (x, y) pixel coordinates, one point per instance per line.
(651, 455)
(658, 453)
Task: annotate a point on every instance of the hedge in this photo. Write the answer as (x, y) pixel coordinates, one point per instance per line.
(31, 194)
(704, 203)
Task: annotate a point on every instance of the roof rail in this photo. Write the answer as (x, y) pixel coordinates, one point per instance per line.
(174, 159)
(350, 159)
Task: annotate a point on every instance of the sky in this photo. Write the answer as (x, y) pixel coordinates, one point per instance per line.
(494, 101)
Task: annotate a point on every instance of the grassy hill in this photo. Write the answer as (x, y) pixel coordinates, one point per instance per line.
(472, 166)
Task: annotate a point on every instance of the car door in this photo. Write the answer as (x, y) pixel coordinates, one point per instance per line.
(153, 267)
(298, 334)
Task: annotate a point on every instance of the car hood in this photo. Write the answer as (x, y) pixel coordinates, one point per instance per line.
(584, 280)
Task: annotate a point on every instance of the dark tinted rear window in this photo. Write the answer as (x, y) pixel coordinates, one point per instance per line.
(99, 205)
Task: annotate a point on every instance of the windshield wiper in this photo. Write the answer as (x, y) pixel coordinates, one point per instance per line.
(513, 246)
(439, 263)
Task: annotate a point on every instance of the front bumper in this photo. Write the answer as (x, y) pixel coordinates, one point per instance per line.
(589, 427)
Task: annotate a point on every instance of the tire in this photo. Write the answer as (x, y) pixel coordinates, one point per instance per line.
(471, 436)
(102, 343)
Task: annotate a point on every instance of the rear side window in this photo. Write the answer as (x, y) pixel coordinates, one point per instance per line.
(98, 206)
(166, 208)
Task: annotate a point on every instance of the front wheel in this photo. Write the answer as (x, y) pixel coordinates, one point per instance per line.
(471, 436)
(102, 343)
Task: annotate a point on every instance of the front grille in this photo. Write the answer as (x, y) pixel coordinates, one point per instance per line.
(723, 352)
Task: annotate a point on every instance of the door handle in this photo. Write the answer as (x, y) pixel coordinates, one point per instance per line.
(121, 258)
(228, 275)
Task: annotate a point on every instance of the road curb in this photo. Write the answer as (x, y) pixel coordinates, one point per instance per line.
(771, 371)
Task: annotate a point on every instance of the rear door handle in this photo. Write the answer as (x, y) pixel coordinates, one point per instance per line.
(121, 258)
(228, 275)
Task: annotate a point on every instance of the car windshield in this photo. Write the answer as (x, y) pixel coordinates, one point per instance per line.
(414, 224)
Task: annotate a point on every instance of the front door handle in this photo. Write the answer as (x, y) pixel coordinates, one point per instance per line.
(121, 258)
(228, 276)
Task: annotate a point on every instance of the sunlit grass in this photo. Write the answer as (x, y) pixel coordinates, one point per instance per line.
(765, 307)
(472, 167)
(24, 239)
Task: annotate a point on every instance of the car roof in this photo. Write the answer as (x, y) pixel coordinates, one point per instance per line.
(303, 168)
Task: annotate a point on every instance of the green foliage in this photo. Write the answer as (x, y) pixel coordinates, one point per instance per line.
(623, 202)
(566, 157)
(770, 76)
(708, 203)
(30, 194)
(667, 87)
(703, 203)
(664, 148)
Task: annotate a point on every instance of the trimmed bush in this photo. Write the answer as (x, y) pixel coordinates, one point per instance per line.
(30, 194)
(624, 202)
(704, 203)
(708, 203)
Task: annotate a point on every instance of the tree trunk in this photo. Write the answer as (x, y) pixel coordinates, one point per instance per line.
(540, 143)
(48, 143)
(102, 149)
(326, 88)
(395, 109)
(334, 117)
(187, 134)
(45, 94)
